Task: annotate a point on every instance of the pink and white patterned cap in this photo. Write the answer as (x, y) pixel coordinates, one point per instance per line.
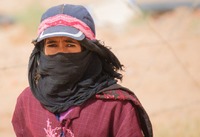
(72, 21)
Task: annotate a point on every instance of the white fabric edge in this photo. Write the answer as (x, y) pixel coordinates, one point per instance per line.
(77, 35)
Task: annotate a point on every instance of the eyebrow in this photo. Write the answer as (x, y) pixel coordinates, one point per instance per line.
(70, 41)
(53, 41)
(50, 41)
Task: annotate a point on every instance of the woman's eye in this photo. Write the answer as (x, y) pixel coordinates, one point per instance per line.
(52, 45)
(70, 45)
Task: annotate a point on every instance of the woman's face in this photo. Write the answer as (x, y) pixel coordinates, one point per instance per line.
(61, 44)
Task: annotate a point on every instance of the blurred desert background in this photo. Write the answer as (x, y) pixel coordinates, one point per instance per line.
(160, 52)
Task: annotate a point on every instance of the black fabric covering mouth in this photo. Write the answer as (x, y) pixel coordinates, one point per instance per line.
(66, 79)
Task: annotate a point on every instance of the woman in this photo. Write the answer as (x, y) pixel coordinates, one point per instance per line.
(73, 84)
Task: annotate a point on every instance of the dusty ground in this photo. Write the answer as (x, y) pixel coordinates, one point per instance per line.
(161, 56)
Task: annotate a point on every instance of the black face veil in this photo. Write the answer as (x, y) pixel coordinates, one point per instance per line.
(66, 79)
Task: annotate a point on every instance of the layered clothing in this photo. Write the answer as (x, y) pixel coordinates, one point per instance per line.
(110, 113)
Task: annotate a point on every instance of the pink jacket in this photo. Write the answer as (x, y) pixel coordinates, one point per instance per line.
(95, 118)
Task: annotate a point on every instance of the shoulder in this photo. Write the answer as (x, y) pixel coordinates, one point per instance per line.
(25, 92)
(108, 105)
(27, 102)
(26, 96)
(135, 110)
(119, 94)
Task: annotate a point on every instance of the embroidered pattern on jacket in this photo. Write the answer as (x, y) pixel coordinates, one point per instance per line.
(54, 132)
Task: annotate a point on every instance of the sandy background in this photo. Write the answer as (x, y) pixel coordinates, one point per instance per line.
(160, 53)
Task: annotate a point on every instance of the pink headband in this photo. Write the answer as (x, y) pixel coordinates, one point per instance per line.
(66, 20)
